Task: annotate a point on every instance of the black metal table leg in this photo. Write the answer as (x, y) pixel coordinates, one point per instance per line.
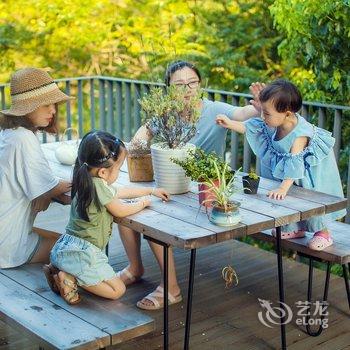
(281, 286)
(165, 289)
(346, 280)
(309, 297)
(166, 301)
(189, 299)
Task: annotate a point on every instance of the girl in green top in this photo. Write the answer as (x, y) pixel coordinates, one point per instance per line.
(79, 254)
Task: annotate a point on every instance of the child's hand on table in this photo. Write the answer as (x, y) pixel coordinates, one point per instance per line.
(279, 194)
(162, 194)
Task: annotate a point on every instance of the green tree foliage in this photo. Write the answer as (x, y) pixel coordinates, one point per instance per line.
(316, 46)
(234, 42)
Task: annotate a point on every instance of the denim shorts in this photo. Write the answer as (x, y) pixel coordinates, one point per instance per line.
(78, 257)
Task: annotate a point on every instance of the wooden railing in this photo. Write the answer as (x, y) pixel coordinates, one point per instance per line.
(111, 104)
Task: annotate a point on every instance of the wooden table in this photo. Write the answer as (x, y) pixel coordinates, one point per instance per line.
(178, 223)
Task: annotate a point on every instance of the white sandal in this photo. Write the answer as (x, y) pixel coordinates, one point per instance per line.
(130, 278)
(154, 298)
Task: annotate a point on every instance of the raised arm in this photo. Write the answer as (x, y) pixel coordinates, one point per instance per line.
(254, 109)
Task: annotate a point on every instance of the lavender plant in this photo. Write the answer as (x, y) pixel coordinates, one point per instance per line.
(170, 117)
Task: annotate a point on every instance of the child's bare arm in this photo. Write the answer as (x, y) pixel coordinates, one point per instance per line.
(244, 113)
(42, 202)
(132, 192)
(280, 193)
(120, 210)
(227, 123)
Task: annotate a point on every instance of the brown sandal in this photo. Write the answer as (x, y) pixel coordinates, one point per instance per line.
(72, 294)
(50, 271)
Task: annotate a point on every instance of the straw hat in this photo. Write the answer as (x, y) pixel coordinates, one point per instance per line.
(31, 88)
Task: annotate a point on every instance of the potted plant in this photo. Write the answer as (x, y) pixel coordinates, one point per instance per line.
(199, 166)
(250, 183)
(139, 161)
(172, 120)
(225, 211)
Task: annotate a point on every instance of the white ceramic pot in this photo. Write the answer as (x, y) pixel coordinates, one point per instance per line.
(167, 174)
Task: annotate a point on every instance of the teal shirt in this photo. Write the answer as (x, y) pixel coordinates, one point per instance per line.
(210, 136)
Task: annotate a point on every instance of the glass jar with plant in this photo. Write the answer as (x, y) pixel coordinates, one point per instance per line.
(225, 211)
(139, 161)
(251, 183)
(171, 118)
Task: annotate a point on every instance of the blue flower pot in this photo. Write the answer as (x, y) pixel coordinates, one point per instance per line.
(231, 217)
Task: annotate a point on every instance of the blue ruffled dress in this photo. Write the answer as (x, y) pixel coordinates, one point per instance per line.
(307, 168)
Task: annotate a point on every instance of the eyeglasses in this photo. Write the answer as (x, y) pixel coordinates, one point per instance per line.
(191, 84)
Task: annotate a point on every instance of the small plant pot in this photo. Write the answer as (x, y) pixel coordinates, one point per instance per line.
(206, 197)
(250, 186)
(230, 217)
(140, 168)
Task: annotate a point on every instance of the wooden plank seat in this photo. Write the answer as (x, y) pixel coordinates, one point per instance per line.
(338, 253)
(28, 303)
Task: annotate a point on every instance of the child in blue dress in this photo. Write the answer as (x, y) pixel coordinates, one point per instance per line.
(292, 150)
(79, 253)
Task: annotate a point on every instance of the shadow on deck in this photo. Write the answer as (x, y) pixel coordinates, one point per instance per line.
(222, 318)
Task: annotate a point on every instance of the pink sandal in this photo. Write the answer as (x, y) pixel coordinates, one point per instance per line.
(320, 241)
(289, 235)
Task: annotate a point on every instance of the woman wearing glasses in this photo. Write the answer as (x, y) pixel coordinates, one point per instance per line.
(211, 138)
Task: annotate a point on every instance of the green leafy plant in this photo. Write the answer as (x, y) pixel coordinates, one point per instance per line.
(201, 166)
(253, 175)
(169, 116)
(223, 191)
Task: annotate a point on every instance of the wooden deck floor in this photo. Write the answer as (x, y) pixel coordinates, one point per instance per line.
(222, 318)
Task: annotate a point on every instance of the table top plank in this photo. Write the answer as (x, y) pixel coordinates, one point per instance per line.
(331, 203)
(255, 222)
(169, 230)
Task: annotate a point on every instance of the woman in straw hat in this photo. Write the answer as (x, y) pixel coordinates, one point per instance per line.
(26, 182)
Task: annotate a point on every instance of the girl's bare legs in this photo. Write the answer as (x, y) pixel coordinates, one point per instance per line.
(110, 289)
(132, 245)
(157, 249)
(48, 239)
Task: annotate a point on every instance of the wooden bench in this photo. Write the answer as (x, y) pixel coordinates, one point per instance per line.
(27, 303)
(338, 253)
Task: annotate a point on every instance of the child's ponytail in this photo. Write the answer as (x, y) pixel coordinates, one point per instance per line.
(83, 187)
(98, 149)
